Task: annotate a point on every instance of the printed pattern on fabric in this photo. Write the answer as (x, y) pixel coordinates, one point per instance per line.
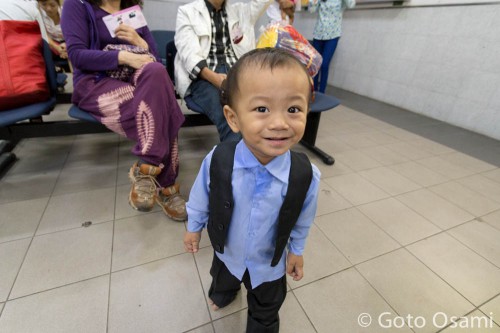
(145, 127)
(109, 106)
(221, 50)
(136, 75)
(329, 23)
(174, 156)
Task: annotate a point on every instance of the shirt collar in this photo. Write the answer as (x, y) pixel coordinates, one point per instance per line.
(279, 167)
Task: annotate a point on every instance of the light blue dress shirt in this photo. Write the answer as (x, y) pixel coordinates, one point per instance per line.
(258, 192)
(329, 23)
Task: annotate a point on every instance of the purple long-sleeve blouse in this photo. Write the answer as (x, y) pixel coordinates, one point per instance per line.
(86, 35)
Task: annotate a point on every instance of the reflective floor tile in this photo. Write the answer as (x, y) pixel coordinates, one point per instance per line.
(481, 238)
(399, 277)
(439, 211)
(399, 221)
(162, 296)
(141, 239)
(11, 256)
(65, 257)
(72, 210)
(329, 200)
(79, 307)
(452, 261)
(355, 235)
(356, 189)
(20, 219)
(339, 303)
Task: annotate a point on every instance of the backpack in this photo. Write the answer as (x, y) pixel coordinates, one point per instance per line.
(221, 197)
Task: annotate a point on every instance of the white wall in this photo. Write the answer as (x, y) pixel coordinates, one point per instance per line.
(443, 62)
(160, 14)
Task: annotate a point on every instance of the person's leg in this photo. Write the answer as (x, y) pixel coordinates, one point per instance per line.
(158, 121)
(146, 111)
(329, 49)
(207, 96)
(224, 285)
(264, 303)
(319, 46)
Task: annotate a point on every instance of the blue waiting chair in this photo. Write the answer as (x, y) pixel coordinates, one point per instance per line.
(28, 112)
(162, 37)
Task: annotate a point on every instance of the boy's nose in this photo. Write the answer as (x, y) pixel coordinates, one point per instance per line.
(278, 121)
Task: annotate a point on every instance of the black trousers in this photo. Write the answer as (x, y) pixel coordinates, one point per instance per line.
(264, 301)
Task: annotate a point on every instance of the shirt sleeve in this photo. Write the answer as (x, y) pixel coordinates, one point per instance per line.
(197, 69)
(76, 30)
(306, 218)
(187, 41)
(197, 206)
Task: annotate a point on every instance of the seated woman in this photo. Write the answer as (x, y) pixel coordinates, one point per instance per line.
(143, 108)
(51, 15)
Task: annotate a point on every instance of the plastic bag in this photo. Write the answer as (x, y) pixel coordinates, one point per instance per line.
(286, 37)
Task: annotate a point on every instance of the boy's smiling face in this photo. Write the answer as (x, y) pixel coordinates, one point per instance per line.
(270, 109)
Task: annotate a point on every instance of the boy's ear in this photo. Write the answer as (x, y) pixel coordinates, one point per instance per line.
(231, 118)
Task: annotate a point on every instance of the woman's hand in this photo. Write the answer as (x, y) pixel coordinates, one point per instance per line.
(127, 33)
(133, 60)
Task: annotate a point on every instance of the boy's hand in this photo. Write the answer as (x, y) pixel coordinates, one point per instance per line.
(192, 241)
(295, 266)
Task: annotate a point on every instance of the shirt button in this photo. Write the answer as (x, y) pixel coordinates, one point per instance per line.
(227, 204)
(217, 247)
(221, 226)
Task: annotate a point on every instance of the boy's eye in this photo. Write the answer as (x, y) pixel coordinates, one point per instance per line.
(262, 109)
(293, 109)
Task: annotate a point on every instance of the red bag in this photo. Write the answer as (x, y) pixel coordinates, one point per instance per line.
(22, 67)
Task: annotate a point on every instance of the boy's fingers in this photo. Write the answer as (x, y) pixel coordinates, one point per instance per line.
(299, 273)
(191, 247)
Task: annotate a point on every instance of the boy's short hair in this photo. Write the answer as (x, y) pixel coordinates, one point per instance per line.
(265, 57)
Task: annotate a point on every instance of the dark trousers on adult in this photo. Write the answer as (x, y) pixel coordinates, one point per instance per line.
(207, 97)
(264, 301)
(326, 48)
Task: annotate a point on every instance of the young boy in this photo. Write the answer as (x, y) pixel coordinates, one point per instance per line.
(266, 98)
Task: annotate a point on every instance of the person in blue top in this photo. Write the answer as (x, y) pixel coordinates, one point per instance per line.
(327, 33)
(266, 98)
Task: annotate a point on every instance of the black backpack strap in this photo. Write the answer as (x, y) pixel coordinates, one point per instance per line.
(221, 194)
(299, 181)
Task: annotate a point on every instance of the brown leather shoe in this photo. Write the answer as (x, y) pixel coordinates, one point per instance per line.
(143, 192)
(172, 203)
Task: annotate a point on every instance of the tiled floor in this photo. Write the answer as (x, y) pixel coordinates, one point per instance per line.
(407, 231)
